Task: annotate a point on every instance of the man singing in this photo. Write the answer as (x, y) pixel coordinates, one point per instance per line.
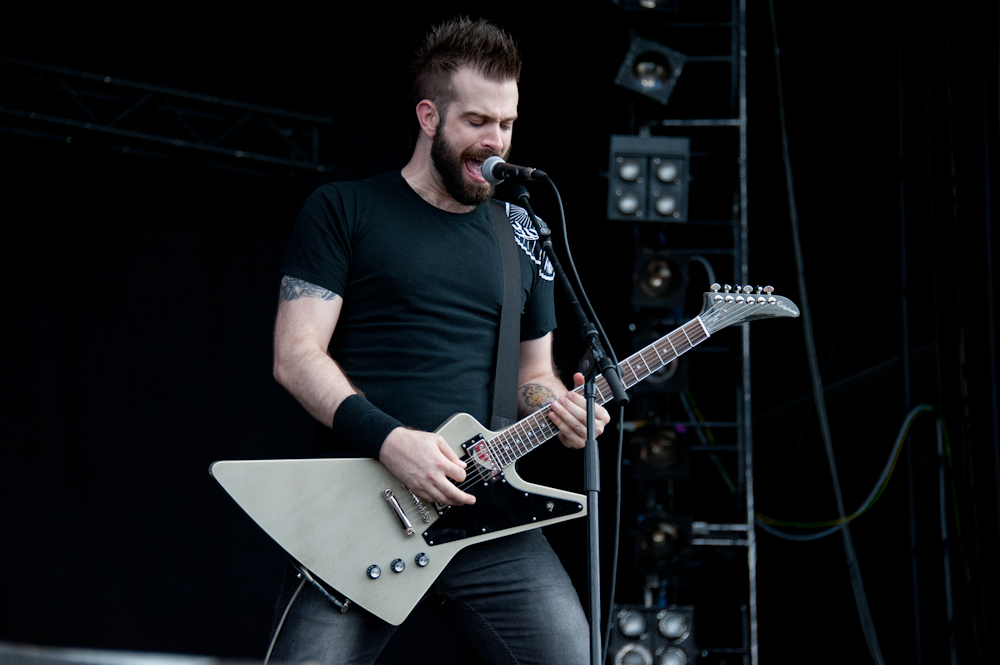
(388, 323)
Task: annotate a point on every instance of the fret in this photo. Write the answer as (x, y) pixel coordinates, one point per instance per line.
(656, 364)
(649, 371)
(681, 343)
(674, 348)
(658, 356)
(668, 355)
(626, 369)
(636, 369)
(503, 450)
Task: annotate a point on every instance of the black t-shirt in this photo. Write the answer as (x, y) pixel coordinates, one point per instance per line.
(422, 292)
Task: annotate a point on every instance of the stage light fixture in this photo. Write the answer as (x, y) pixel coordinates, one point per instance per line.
(651, 69)
(663, 541)
(631, 623)
(648, 178)
(633, 654)
(664, 452)
(673, 625)
(667, 640)
(672, 656)
(647, 5)
(660, 280)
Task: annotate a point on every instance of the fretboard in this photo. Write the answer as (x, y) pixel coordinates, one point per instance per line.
(527, 434)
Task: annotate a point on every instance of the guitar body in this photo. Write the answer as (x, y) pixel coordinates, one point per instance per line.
(332, 515)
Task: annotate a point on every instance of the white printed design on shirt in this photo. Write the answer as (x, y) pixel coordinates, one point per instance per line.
(527, 239)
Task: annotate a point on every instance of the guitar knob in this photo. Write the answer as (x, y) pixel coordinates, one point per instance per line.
(374, 572)
(398, 565)
(422, 560)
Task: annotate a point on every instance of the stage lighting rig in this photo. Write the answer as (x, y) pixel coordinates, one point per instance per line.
(650, 69)
(648, 178)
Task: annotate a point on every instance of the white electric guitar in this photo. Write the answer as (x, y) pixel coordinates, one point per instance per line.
(358, 529)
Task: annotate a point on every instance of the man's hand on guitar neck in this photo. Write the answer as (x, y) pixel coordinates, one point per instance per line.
(568, 413)
(424, 462)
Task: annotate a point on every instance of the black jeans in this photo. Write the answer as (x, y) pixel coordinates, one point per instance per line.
(511, 597)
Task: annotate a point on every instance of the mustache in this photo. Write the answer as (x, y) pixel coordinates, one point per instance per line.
(481, 155)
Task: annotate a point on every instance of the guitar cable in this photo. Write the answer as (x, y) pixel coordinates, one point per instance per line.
(281, 623)
(305, 576)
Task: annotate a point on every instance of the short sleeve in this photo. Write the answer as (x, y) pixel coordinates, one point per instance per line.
(319, 250)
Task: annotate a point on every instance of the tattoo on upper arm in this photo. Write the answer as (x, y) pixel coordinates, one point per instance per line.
(535, 396)
(293, 288)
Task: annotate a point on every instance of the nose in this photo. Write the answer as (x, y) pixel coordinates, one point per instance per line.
(492, 137)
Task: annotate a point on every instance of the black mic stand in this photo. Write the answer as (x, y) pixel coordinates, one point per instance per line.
(596, 359)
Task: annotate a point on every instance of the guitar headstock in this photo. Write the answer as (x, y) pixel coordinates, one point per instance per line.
(727, 305)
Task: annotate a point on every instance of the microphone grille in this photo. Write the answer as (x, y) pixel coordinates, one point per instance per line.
(487, 169)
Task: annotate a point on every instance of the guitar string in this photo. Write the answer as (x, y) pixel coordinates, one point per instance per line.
(544, 429)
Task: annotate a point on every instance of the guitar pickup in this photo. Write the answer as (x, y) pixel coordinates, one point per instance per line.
(481, 453)
(391, 500)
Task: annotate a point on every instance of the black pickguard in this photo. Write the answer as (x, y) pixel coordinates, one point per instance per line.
(498, 506)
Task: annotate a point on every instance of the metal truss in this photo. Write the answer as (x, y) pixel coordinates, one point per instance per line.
(56, 103)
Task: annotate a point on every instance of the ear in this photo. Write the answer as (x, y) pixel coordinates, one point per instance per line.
(427, 117)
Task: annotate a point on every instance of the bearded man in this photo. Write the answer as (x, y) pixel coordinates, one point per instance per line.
(388, 323)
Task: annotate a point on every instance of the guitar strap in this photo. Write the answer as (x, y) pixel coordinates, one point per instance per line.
(508, 347)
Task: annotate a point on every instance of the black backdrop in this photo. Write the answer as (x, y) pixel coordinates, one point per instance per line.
(141, 295)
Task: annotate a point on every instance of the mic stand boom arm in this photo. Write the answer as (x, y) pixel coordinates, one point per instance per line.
(595, 360)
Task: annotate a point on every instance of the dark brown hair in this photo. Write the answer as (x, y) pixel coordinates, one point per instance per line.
(462, 42)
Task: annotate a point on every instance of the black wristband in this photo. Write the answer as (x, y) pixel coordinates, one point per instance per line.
(363, 425)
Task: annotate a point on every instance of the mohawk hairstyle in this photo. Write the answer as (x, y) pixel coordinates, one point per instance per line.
(462, 42)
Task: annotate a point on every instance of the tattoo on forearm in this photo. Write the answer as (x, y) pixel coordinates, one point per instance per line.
(293, 288)
(534, 396)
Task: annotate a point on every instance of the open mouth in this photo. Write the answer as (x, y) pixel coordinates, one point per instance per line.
(474, 168)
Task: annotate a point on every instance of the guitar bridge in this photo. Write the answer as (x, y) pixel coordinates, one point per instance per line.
(404, 522)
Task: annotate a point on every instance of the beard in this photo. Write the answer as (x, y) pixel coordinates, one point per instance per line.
(450, 165)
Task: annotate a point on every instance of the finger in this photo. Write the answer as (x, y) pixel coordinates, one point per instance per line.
(455, 496)
(448, 452)
(572, 408)
(567, 423)
(452, 466)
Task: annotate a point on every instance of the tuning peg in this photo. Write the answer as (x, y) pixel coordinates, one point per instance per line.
(715, 287)
(747, 289)
(768, 290)
(728, 288)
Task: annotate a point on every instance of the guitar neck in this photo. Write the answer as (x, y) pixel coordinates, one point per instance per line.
(527, 434)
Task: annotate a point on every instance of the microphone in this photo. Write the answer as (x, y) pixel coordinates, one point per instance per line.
(495, 171)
